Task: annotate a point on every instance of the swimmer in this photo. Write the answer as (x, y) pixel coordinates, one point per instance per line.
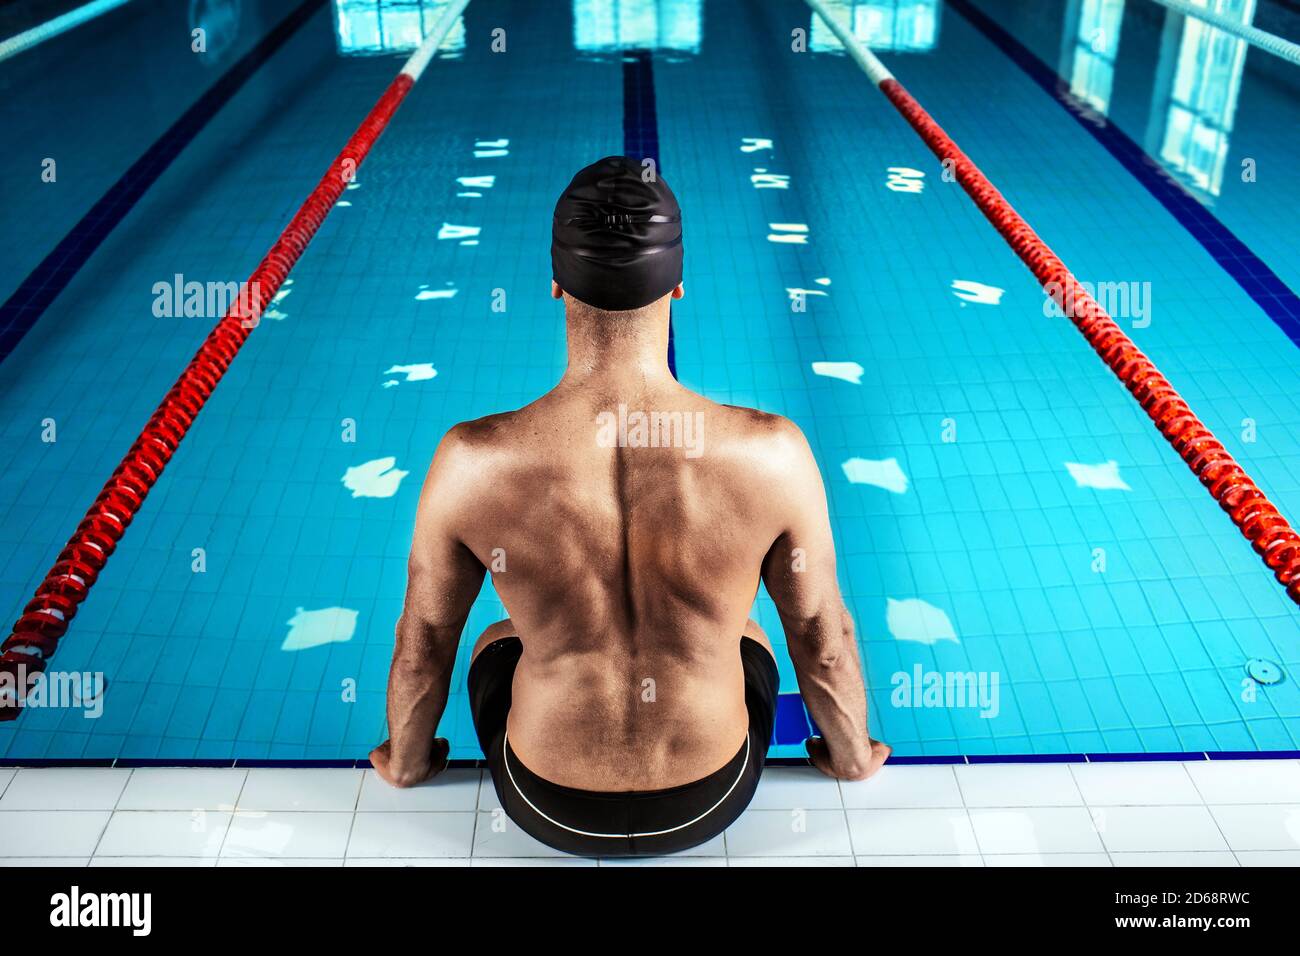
(626, 705)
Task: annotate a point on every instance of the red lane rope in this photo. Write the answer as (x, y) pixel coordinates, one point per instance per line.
(46, 617)
(1235, 491)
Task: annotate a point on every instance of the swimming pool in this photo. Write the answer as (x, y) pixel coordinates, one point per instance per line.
(1003, 508)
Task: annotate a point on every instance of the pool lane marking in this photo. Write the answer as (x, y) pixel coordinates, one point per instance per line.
(1250, 510)
(478, 763)
(1259, 39)
(21, 42)
(1249, 271)
(52, 275)
(641, 136)
(36, 634)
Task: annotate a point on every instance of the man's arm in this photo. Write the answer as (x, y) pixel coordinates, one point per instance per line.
(799, 572)
(443, 578)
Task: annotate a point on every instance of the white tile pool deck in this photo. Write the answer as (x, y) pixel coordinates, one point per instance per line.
(1221, 813)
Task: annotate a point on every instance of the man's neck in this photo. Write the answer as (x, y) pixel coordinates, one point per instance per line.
(627, 351)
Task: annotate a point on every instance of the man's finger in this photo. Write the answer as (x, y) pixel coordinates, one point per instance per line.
(439, 757)
(880, 752)
(818, 755)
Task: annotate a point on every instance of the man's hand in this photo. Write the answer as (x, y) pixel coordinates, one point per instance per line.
(381, 758)
(820, 756)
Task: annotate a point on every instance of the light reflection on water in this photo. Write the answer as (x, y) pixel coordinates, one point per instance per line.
(1197, 81)
(899, 26)
(375, 27)
(1088, 56)
(1199, 103)
(609, 26)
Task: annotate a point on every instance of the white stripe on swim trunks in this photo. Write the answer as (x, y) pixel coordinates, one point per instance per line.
(505, 758)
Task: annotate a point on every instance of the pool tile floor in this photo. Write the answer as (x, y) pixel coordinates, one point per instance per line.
(1206, 813)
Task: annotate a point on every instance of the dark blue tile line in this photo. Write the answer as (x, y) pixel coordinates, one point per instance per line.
(641, 133)
(1254, 276)
(132, 763)
(30, 300)
(1026, 758)
(1251, 755)
(339, 764)
(1149, 757)
(897, 760)
(924, 760)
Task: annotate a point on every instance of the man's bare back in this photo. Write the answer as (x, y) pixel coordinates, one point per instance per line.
(627, 523)
(629, 572)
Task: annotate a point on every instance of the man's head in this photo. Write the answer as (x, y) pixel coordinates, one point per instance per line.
(616, 238)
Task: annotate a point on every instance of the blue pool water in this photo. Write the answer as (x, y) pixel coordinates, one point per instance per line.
(1002, 506)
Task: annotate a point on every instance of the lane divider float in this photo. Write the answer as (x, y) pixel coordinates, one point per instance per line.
(45, 619)
(1255, 516)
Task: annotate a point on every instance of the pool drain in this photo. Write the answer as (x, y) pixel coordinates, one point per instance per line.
(1262, 671)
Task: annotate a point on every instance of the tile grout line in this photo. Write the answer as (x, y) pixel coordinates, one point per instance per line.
(1089, 809)
(231, 822)
(352, 823)
(111, 814)
(1105, 847)
(1210, 810)
(970, 821)
(848, 826)
(473, 830)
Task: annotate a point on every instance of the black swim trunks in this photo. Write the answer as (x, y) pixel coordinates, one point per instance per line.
(635, 823)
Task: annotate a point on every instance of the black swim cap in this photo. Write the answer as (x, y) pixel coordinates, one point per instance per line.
(616, 240)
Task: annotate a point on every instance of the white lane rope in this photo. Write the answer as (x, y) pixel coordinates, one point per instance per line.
(1260, 39)
(441, 27)
(870, 63)
(20, 42)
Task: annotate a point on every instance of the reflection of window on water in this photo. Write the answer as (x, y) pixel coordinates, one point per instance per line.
(1092, 51)
(607, 26)
(904, 26)
(392, 26)
(219, 21)
(1203, 100)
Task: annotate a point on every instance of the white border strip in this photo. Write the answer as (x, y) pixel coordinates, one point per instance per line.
(433, 39)
(1260, 39)
(870, 64)
(50, 29)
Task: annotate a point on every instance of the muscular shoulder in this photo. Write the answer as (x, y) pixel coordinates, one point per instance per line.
(766, 468)
(479, 435)
(474, 447)
(773, 441)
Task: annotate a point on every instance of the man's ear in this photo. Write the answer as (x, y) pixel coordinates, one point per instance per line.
(678, 291)
(558, 293)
